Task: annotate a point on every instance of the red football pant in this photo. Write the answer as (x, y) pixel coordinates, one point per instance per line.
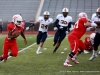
(76, 43)
(12, 45)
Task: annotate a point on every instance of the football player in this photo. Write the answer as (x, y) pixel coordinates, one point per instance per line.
(76, 44)
(89, 43)
(10, 41)
(61, 25)
(44, 22)
(96, 18)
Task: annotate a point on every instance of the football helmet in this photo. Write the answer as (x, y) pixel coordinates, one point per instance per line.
(98, 12)
(65, 10)
(17, 20)
(82, 15)
(46, 13)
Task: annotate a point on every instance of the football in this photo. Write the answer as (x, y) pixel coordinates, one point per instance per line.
(15, 33)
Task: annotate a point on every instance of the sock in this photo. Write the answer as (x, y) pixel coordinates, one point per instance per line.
(38, 49)
(9, 54)
(94, 52)
(66, 60)
(75, 56)
(55, 49)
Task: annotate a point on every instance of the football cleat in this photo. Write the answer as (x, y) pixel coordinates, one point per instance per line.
(99, 52)
(38, 52)
(5, 60)
(86, 52)
(75, 60)
(92, 57)
(1, 59)
(67, 64)
(54, 52)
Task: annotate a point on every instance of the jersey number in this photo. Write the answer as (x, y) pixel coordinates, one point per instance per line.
(63, 22)
(76, 25)
(44, 26)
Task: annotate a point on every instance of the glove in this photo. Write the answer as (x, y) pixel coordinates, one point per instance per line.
(71, 28)
(66, 32)
(27, 28)
(55, 28)
(60, 27)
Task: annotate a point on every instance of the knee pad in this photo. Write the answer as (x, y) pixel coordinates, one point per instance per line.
(71, 54)
(80, 51)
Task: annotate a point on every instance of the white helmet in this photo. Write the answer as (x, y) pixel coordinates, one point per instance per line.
(98, 10)
(46, 13)
(65, 10)
(82, 15)
(17, 19)
(92, 36)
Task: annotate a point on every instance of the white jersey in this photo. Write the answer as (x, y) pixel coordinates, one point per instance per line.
(44, 24)
(63, 21)
(95, 18)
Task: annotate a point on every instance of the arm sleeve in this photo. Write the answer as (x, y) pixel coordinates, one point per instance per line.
(31, 25)
(56, 22)
(38, 20)
(69, 24)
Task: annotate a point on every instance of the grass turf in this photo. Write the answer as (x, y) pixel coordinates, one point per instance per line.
(47, 63)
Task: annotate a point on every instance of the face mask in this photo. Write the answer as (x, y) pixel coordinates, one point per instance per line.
(98, 16)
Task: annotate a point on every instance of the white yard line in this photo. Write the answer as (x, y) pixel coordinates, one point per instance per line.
(26, 48)
(30, 46)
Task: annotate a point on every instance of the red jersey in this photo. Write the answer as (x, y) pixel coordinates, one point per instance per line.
(88, 43)
(79, 28)
(12, 27)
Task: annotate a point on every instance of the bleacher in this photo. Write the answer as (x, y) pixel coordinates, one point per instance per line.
(74, 6)
(28, 9)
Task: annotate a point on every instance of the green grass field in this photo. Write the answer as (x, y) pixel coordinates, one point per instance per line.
(47, 63)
